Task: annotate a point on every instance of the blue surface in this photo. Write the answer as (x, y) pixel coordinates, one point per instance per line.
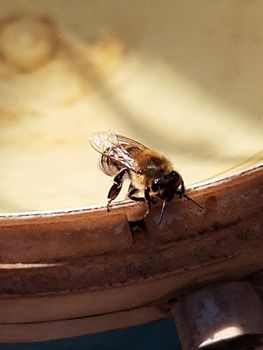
(158, 335)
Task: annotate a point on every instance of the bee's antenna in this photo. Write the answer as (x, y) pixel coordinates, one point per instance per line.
(191, 199)
(161, 215)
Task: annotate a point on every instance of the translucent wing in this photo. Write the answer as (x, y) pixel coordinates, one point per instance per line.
(117, 152)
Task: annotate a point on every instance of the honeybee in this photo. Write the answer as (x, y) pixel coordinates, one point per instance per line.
(151, 174)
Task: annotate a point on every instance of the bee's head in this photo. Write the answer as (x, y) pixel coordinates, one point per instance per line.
(166, 186)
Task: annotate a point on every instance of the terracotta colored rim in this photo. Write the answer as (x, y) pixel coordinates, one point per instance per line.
(87, 264)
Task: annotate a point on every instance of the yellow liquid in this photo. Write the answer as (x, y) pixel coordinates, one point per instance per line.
(183, 97)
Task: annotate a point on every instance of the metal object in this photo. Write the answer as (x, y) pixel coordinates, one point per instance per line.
(217, 315)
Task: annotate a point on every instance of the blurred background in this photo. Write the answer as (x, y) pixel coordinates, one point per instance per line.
(184, 78)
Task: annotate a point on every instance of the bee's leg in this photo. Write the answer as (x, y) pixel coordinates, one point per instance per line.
(181, 192)
(183, 188)
(132, 192)
(116, 187)
(148, 200)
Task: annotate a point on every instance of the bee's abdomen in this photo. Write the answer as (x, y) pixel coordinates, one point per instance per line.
(109, 166)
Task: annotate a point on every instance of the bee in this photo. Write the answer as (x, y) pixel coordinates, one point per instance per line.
(151, 175)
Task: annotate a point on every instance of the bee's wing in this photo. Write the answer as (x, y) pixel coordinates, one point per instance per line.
(101, 141)
(116, 148)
